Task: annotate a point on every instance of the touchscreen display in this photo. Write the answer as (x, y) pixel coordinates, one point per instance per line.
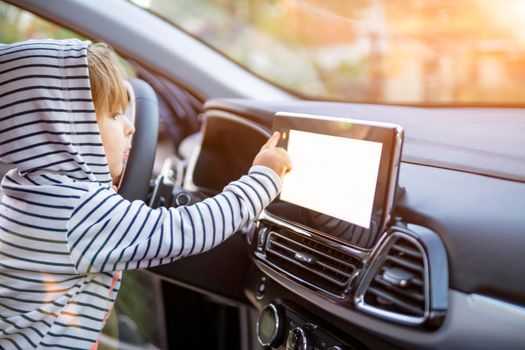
(323, 180)
(343, 178)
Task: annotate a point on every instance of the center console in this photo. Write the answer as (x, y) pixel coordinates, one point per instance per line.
(331, 238)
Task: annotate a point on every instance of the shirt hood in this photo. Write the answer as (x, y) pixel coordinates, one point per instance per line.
(47, 117)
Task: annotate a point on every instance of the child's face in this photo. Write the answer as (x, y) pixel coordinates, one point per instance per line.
(115, 130)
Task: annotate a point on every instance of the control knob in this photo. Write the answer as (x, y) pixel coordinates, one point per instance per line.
(299, 339)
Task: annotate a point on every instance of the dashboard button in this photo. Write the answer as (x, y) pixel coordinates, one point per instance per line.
(261, 289)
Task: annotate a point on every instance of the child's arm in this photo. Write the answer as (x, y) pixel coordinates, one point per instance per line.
(108, 233)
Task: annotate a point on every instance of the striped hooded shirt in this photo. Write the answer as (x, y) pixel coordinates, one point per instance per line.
(64, 233)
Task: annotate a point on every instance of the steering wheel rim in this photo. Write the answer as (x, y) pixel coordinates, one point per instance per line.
(144, 108)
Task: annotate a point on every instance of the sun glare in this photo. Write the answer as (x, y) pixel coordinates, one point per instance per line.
(142, 3)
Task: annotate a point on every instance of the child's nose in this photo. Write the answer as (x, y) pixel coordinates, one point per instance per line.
(130, 128)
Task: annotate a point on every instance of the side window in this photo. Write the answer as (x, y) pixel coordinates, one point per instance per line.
(17, 25)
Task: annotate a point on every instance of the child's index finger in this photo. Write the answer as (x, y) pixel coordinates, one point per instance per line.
(273, 140)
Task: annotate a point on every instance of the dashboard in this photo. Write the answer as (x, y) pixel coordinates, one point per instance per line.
(425, 282)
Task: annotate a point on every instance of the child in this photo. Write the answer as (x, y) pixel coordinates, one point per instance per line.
(64, 232)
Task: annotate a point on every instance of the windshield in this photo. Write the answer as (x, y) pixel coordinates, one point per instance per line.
(382, 51)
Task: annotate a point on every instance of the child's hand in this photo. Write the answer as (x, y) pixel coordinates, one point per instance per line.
(275, 158)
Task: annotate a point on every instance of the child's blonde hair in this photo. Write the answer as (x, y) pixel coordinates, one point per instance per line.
(106, 79)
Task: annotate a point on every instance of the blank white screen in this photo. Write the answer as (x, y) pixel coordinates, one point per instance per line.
(332, 175)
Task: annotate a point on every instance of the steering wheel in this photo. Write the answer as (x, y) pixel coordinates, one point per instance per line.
(143, 111)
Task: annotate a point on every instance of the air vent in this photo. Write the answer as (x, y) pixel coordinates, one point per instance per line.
(311, 261)
(398, 286)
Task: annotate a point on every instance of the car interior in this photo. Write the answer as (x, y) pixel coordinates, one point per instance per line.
(431, 258)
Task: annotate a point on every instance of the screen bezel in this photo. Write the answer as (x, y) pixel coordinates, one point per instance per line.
(391, 138)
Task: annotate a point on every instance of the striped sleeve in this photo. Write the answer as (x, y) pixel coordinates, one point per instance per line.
(108, 233)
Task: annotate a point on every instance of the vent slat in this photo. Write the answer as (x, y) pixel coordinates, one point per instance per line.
(417, 296)
(331, 268)
(411, 252)
(339, 261)
(398, 302)
(418, 282)
(282, 256)
(405, 263)
(323, 264)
